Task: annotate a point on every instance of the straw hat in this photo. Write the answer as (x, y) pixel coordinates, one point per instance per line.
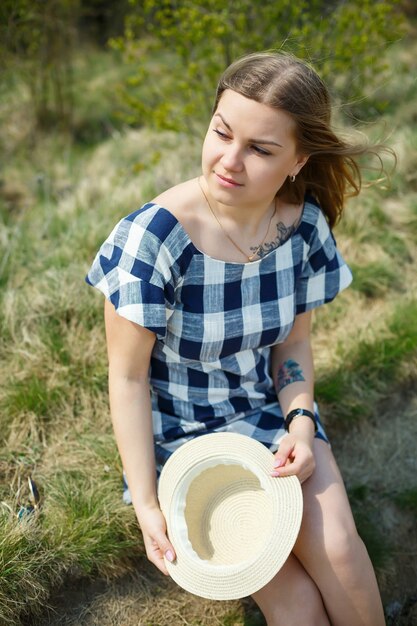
(231, 523)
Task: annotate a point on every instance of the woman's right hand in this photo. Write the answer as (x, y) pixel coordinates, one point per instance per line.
(153, 526)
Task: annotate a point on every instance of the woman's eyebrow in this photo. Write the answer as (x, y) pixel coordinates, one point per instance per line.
(263, 141)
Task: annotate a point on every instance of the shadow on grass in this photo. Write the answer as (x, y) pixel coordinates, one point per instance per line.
(142, 596)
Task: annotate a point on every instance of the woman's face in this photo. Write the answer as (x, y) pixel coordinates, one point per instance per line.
(248, 152)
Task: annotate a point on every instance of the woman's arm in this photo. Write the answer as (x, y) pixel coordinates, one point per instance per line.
(129, 348)
(293, 375)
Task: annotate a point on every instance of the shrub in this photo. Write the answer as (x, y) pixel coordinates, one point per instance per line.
(179, 49)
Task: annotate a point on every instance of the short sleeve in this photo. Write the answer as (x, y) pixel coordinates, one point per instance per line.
(133, 269)
(324, 273)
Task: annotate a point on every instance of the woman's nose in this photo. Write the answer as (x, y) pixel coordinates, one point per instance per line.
(232, 158)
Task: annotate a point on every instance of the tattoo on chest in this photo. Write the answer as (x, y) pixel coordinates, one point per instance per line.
(288, 372)
(283, 233)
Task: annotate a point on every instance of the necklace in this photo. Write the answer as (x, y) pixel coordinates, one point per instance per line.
(253, 255)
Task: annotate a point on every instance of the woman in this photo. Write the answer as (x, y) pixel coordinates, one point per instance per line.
(210, 289)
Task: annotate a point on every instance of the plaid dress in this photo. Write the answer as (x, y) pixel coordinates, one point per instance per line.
(215, 321)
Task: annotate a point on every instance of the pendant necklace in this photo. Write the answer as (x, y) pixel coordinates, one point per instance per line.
(253, 255)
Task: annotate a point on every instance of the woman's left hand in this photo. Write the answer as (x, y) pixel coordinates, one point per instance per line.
(294, 457)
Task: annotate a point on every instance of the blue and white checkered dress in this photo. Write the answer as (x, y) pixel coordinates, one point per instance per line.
(215, 321)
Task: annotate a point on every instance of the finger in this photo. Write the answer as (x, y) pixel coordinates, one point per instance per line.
(297, 468)
(290, 469)
(157, 559)
(283, 453)
(165, 546)
(286, 470)
(293, 463)
(155, 555)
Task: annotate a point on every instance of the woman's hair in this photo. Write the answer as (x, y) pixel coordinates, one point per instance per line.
(286, 83)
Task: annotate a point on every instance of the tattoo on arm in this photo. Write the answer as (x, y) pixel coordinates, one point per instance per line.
(289, 372)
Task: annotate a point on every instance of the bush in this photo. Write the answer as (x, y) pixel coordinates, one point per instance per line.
(178, 50)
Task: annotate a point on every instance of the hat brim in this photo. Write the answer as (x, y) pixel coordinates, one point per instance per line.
(268, 508)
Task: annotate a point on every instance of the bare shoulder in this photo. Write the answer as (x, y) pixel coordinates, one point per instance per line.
(181, 200)
(186, 202)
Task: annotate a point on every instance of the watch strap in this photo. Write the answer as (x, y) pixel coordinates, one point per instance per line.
(296, 413)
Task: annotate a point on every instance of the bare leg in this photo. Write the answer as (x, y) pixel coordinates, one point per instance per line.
(331, 551)
(291, 598)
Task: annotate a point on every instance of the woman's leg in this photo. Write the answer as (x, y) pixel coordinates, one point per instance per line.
(331, 551)
(291, 598)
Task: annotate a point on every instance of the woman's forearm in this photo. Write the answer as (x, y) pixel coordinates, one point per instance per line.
(130, 406)
(293, 374)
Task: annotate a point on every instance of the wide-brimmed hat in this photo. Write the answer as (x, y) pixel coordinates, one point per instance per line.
(232, 524)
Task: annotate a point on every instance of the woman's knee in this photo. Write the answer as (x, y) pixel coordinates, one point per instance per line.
(306, 608)
(301, 603)
(343, 545)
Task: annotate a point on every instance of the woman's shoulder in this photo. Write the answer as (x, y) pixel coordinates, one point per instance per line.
(313, 221)
(180, 200)
(149, 222)
(151, 231)
(162, 216)
(313, 213)
(166, 212)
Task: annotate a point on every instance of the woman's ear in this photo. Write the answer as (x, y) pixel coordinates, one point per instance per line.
(301, 161)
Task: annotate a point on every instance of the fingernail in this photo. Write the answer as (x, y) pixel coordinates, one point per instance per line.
(274, 473)
(169, 556)
(277, 463)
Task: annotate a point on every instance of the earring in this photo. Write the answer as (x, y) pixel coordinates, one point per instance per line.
(292, 178)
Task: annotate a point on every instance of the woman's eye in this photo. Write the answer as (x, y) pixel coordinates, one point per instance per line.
(255, 148)
(261, 151)
(220, 134)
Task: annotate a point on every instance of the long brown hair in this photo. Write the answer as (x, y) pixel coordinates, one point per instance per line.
(284, 82)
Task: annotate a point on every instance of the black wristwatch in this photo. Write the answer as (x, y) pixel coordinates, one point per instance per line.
(295, 413)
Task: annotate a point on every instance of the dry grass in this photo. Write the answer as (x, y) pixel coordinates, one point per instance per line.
(56, 206)
(143, 598)
(379, 465)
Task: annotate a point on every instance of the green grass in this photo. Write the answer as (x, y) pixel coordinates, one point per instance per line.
(69, 536)
(407, 500)
(369, 371)
(375, 279)
(22, 587)
(32, 395)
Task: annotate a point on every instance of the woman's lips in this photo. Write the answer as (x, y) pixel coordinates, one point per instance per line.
(227, 182)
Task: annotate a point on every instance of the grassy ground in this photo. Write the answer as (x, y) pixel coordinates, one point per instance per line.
(58, 200)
